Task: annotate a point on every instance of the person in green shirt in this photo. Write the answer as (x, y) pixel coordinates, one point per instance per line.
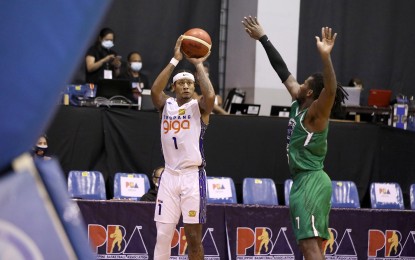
(313, 101)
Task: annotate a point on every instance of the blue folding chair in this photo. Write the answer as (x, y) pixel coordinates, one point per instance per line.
(86, 185)
(261, 191)
(412, 196)
(344, 195)
(384, 195)
(221, 190)
(130, 186)
(287, 189)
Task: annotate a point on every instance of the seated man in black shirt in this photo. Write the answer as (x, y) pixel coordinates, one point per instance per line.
(151, 194)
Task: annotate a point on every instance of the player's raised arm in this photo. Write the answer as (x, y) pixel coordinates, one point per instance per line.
(321, 108)
(207, 101)
(255, 31)
(157, 94)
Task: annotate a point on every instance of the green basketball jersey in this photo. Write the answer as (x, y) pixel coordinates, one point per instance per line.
(306, 151)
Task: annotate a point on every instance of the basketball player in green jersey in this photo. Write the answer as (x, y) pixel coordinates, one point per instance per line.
(307, 139)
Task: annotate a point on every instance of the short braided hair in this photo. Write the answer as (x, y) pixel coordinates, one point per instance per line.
(317, 85)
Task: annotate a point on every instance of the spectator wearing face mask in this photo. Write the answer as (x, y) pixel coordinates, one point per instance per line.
(151, 194)
(139, 81)
(101, 61)
(41, 148)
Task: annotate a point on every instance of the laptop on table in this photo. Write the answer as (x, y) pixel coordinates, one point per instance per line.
(114, 92)
(379, 97)
(353, 98)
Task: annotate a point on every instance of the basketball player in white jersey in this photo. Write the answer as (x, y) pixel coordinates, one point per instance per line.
(182, 187)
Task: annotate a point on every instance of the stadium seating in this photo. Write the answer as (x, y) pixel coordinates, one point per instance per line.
(261, 191)
(86, 185)
(221, 190)
(385, 195)
(130, 186)
(344, 195)
(287, 188)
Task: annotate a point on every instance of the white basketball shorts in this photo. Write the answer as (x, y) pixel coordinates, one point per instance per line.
(181, 193)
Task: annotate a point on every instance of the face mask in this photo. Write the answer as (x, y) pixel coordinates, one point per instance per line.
(39, 148)
(107, 44)
(136, 66)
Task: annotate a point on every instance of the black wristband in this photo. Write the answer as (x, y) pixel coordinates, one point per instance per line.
(263, 39)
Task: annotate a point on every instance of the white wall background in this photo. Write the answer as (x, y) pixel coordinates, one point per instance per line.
(247, 65)
(280, 20)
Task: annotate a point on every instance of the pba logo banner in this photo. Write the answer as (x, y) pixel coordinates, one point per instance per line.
(340, 246)
(260, 243)
(179, 245)
(390, 244)
(112, 242)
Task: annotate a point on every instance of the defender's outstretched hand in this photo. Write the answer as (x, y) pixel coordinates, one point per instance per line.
(253, 28)
(325, 45)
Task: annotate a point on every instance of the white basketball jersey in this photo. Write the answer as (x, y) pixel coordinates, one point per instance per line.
(181, 133)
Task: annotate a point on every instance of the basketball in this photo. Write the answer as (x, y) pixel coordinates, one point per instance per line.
(196, 43)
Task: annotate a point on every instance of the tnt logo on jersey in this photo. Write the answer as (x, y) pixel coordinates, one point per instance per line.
(176, 123)
(114, 240)
(260, 243)
(340, 247)
(192, 213)
(179, 245)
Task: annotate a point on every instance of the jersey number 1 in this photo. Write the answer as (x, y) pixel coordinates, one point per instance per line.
(175, 142)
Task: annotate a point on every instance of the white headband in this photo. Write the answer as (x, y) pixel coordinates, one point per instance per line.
(183, 75)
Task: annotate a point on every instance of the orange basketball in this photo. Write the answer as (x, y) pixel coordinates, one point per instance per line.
(196, 43)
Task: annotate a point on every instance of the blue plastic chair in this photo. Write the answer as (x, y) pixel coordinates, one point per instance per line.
(412, 196)
(135, 185)
(344, 195)
(221, 185)
(287, 189)
(384, 195)
(261, 191)
(86, 185)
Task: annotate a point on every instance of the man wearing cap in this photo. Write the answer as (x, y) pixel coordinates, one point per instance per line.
(182, 187)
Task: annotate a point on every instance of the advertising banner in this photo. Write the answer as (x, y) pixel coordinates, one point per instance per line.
(126, 230)
(266, 233)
